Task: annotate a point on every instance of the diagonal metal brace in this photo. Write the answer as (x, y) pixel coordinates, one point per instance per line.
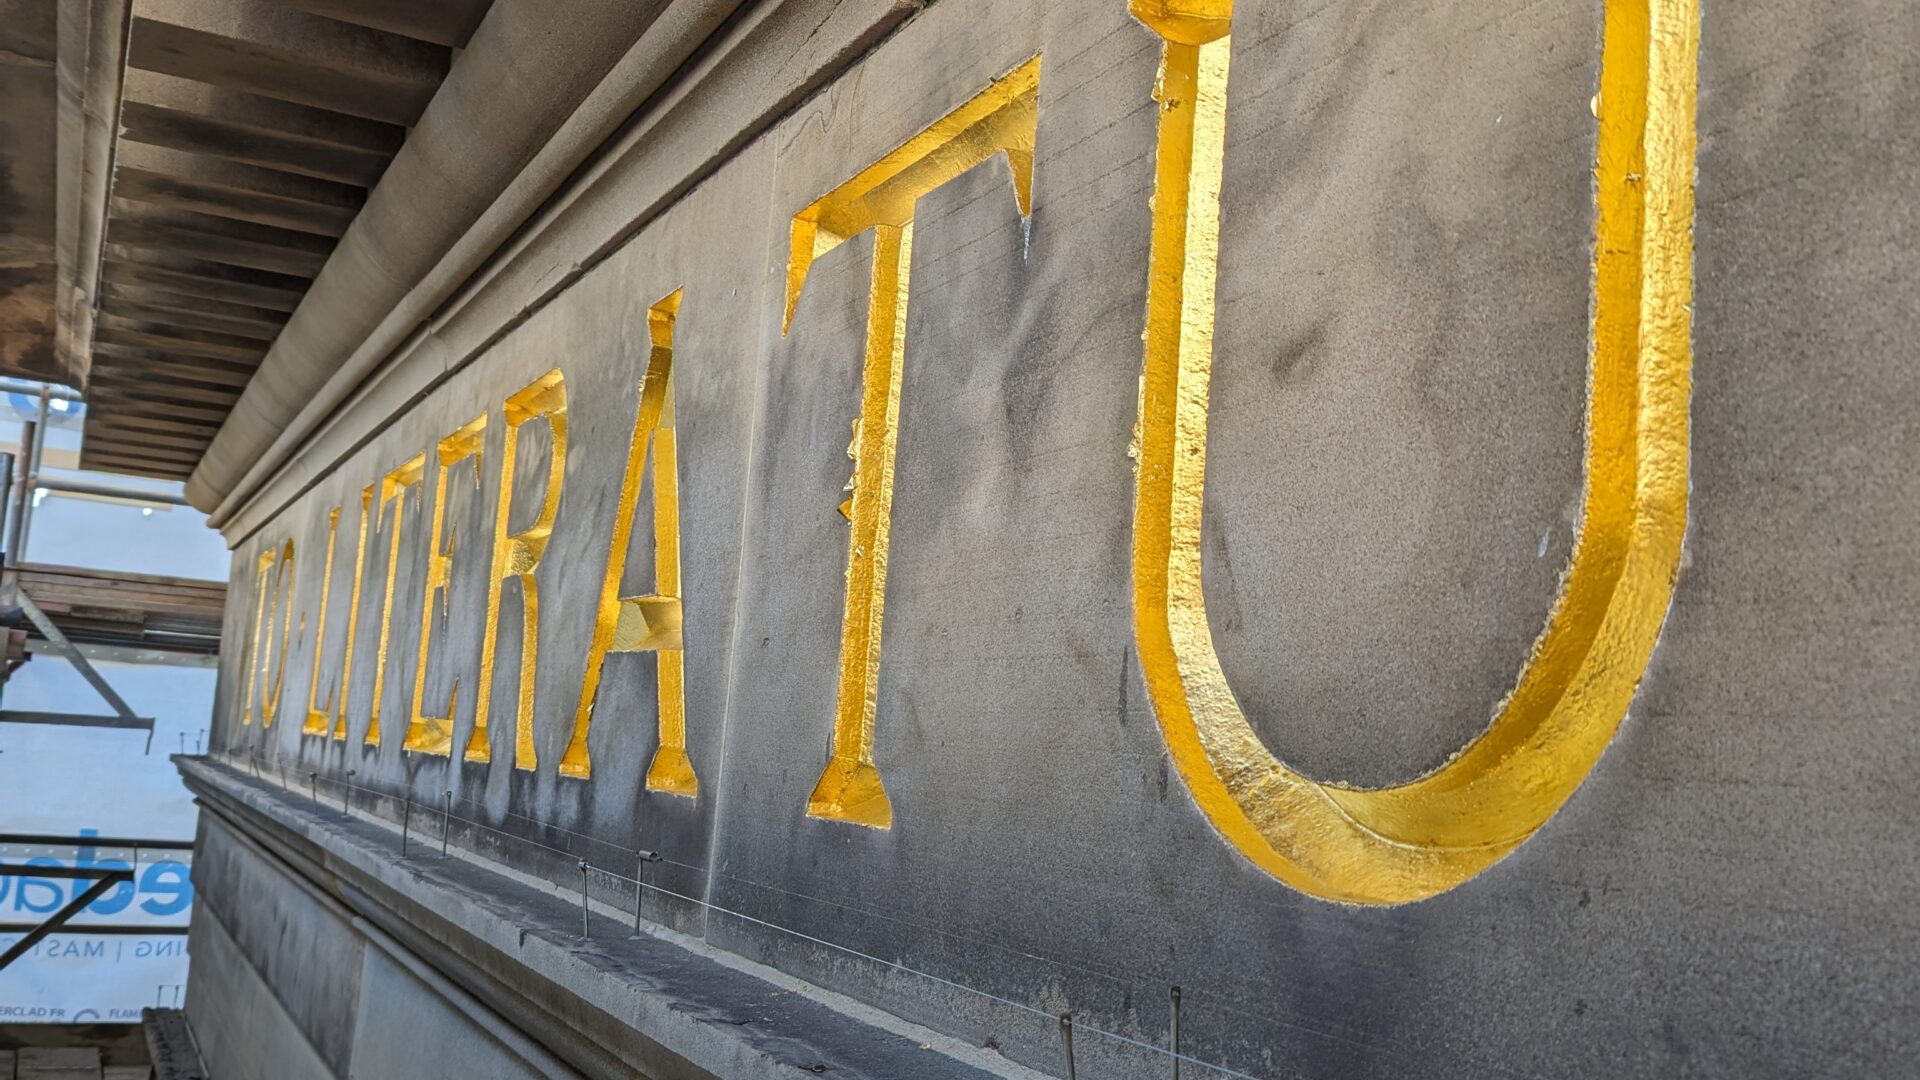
(87, 671)
(107, 880)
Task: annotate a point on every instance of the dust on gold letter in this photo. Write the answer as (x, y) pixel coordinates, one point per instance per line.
(426, 733)
(316, 721)
(353, 616)
(274, 575)
(517, 555)
(881, 197)
(393, 489)
(1413, 840)
(650, 622)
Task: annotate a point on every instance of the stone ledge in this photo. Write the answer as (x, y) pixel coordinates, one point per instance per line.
(658, 1002)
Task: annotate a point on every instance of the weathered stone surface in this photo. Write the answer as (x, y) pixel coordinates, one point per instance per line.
(387, 1040)
(302, 951)
(1394, 468)
(1394, 485)
(461, 967)
(237, 1020)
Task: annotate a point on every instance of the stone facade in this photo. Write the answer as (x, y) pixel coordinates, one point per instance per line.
(1410, 387)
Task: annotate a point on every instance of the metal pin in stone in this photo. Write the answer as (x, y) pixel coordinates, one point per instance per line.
(1176, 1031)
(313, 789)
(1066, 1037)
(406, 824)
(584, 911)
(346, 789)
(446, 823)
(639, 884)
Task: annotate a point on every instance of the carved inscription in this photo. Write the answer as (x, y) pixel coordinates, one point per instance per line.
(999, 120)
(1384, 845)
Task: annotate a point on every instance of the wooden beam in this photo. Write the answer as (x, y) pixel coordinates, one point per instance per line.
(110, 435)
(133, 466)
(128, 405)
(443, 22)
(138, 361)
(115, 330)
(139, 185)
(264, 323)
(208, 245)
(289, 55)
(271, 150)
(146, 422)
(189, 319)
(165, 389)
(178, 456)
(200, 278)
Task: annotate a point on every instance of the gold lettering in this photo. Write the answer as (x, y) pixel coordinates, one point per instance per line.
(650, 622)
(353, 616)
(274, 576)
(518, 555)
(316, 722)
(425, 733)
(1001, 119)
(1414, 840)
(256, 659)
(283, 597)
(393, 489)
